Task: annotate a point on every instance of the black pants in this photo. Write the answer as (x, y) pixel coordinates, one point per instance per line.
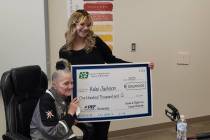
(74, 138)
(95, 130)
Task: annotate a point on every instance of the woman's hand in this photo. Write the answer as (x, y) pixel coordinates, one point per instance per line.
(151, 65)
(73, 106)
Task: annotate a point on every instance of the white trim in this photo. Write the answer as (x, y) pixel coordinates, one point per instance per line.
(71, 136)
(47, 91)
(64, 125)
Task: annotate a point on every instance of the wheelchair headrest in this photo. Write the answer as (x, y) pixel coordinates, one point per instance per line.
(26, 79)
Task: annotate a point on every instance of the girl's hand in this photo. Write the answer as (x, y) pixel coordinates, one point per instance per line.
(151, 65)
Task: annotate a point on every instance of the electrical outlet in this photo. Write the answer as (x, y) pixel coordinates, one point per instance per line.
(133, 47)
(183, 58)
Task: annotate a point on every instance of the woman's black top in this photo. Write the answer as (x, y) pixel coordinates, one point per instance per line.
(100, 54)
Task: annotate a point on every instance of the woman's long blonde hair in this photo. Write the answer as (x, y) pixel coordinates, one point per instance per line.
(79, 16)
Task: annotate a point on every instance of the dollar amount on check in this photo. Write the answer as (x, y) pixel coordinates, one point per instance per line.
(112, 91)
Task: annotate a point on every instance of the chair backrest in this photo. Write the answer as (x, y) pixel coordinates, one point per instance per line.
(21, 88)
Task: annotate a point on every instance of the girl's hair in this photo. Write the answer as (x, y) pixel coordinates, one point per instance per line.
(62, 66)
(79, 16)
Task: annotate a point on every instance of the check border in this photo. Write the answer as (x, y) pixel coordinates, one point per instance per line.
(108, 66)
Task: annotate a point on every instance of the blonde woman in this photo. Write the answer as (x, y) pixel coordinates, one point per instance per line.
(84, 47)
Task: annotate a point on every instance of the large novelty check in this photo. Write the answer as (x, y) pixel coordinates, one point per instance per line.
(112, 91)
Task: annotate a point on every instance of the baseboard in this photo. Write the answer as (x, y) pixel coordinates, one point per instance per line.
(143, 129)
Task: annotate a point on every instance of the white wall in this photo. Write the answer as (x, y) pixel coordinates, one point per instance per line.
(22, 37)
(2, 118)
(22, 31)
(161, 29)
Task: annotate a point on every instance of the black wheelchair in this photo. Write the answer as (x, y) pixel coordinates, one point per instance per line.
(173, 114)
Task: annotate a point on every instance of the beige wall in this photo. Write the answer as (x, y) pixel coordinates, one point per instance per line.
(161, 29)
(57, 27)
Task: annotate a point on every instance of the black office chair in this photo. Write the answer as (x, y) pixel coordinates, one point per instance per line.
(173, 114)
(21, 88)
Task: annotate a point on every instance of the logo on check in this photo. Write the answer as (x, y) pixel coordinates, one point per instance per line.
(83, 75)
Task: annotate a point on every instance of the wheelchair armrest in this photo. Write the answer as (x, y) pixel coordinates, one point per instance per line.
(12, 136)
(203, 136)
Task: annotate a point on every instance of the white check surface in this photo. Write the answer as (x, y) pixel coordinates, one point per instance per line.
(109, 93)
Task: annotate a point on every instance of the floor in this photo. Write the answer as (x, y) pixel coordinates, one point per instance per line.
(167, 133)
(160, 134)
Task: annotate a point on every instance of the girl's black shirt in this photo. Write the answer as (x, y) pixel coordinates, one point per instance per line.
(100, 54)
